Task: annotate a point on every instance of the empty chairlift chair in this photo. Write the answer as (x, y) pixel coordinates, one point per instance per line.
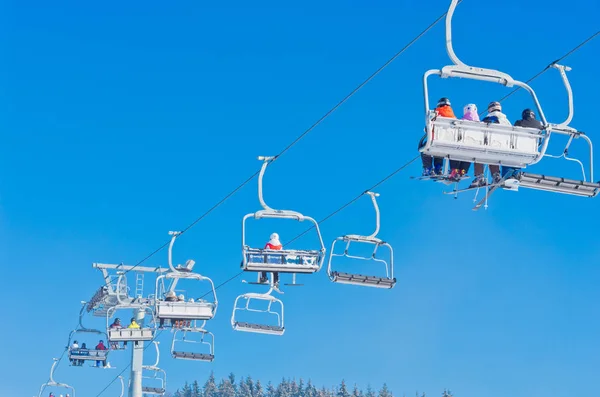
(285, 260)
(274, 312)
(194, 339)
(52, 383)
(387, 281)
(154, 379)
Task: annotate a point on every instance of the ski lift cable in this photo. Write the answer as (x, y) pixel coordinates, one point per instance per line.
(405, 165)
(313, 126)
(550, 65)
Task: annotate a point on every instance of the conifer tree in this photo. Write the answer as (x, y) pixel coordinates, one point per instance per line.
(343, 390)
(243, 389)
(226, 389)
(270, 390)
(210, 387)
(196, 391)
(385, 392)
(186, 391)
(250, 385)
(233, 384)
(294, 389)
(258, 390)
(301, 388)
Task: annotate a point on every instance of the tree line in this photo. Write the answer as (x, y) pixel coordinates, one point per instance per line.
(247, 387)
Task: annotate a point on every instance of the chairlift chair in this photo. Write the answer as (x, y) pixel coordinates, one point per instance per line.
(389, 281)
(199, 309)
(88, 354)
(277, 329)
(155, 384)
(472, 141)
(178, 353)
(285, 260)
(496, 144)
(129, 334)
(52, 383)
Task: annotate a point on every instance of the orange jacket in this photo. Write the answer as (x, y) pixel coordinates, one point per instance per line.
(445, 111)
(273, 247)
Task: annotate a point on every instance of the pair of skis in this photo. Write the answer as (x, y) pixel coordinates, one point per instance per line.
(491, 188)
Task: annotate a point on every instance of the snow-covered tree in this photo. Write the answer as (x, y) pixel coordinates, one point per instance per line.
(343, 390)
(258, 390)
(243, 390)
(385, 392)
(186, 391)
(310, 390)
(250, 385)
(226, 389)
(271, 392)
(196, 391)
(210, 387)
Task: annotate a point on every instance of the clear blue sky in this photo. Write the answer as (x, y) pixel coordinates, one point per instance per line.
(124, 120)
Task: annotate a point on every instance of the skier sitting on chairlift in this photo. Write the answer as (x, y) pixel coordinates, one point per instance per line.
(443, 109)
(460, 168)
(528, 120)
(494, 116)
(100, 346)
(273, 244)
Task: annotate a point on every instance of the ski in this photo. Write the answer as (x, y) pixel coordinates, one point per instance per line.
(468, 189)
(441, 178)
(489, 193)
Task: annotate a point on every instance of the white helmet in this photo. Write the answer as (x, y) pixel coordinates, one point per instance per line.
(274, 236)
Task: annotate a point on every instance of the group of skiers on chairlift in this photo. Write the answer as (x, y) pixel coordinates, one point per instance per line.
(432, 166)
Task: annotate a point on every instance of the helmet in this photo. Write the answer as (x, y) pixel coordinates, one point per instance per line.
(528, 114)
(471, 107)
(494, 106)
(101, 341)
(274, 236)
(443, 102)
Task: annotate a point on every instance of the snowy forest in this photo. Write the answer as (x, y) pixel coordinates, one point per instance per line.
(247, 387)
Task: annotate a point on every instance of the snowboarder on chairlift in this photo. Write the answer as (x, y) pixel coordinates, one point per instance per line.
(273, 244)
(494, 116)
(432, 166)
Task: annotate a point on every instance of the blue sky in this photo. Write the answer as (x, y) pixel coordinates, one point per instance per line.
(124, 121)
